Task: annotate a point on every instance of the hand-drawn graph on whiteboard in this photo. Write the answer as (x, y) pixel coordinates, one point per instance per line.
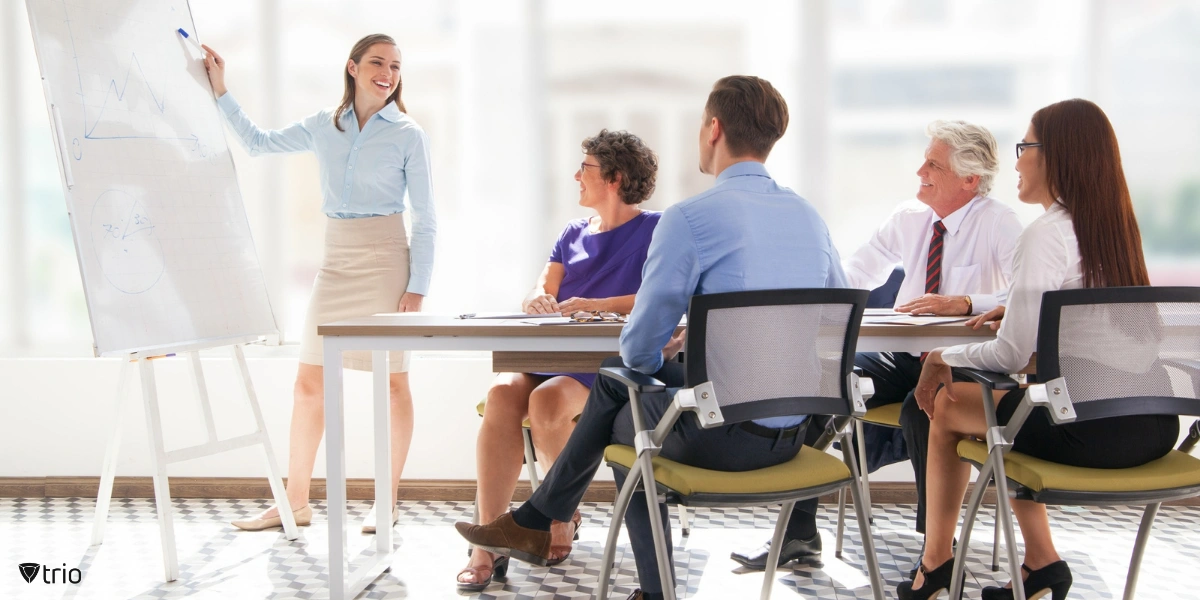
(160, 230)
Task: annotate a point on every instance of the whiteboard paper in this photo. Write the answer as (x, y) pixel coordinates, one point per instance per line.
(160, 231)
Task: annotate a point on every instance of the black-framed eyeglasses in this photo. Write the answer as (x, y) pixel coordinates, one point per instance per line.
(1021, 146)
(585, 164)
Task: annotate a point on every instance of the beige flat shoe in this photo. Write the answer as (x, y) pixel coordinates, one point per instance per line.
(303, 516)
(369, 526)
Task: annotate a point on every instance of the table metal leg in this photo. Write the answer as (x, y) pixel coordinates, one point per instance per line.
(335, 458)
(383, 456)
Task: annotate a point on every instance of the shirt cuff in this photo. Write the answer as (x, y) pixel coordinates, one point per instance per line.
(227, 103)
(981, 303)
(418, 285)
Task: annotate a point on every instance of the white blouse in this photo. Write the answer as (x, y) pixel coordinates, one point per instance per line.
(1046, 259)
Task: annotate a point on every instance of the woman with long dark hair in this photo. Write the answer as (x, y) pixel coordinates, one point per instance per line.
(370, 153)
(1068, 163)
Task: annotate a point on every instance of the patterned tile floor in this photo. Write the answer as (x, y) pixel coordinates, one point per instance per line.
(217, 562)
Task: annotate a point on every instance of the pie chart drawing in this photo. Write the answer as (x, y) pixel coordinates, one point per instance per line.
(126, 245)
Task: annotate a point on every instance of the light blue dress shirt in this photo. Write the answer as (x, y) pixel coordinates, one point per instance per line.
(363, 173)
(745, 233)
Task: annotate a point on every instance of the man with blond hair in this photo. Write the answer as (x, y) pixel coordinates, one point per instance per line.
(956, 246)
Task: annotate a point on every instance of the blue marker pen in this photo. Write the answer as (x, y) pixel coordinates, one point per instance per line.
(189, 38)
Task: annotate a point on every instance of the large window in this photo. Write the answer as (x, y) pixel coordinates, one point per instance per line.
(507, 90)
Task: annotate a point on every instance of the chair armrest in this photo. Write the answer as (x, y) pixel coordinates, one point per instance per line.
(996, 381)
(1192, 438)
(636, 380)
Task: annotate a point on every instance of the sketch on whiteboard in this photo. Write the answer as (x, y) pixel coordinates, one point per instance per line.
(123, 236)
(157, 100)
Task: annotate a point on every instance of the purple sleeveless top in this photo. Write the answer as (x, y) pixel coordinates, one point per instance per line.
(602, 265)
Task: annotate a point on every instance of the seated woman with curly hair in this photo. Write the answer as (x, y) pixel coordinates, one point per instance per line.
(596, 265)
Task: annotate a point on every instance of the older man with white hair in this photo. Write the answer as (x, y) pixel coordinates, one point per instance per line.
(956, 246)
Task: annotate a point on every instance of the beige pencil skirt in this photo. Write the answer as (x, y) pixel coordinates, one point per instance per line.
(364, 272)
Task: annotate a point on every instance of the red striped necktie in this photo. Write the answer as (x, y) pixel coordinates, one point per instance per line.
(933, 264)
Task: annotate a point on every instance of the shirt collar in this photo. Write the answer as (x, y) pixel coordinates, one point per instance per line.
(749, 167)
(954, 220)
(390, 112)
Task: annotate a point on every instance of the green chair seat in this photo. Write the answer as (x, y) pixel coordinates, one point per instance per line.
(1175, 470)
(479, 408)
(887, 415)
(809, 469)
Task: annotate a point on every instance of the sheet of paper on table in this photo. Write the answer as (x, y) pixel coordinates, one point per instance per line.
(570, 321)
(510, 315)
(904, 319)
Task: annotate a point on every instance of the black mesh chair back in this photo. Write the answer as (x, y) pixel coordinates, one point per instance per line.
(1136, 348)
(775, 352)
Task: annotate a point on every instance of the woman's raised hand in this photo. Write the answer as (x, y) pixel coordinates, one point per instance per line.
(215, 65)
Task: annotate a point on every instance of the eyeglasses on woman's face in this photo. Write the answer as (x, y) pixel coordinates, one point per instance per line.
(1021, 146)
(583, 166)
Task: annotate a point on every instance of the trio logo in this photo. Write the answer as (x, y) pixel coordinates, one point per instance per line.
(29, 572)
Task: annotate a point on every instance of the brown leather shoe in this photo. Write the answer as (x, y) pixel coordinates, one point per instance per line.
(503, 536)
(636, 595)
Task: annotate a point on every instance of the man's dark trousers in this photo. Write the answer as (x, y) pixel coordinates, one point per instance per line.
(895, 376)
(607, 419)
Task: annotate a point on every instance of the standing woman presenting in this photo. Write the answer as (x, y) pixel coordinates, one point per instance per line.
(369, 153)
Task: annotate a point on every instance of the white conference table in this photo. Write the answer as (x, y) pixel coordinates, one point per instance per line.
(515, 347)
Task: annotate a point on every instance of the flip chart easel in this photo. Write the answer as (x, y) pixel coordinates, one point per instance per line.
(160, 457)
(164, 246)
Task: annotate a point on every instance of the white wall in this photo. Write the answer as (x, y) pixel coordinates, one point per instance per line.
(57, 416)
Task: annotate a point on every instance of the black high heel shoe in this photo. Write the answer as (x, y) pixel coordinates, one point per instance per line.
(1054, 578)
(935, 582)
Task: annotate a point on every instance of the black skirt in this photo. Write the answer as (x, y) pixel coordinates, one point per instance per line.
(1112, 443)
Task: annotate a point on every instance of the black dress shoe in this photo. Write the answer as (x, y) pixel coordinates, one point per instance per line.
(792, 550)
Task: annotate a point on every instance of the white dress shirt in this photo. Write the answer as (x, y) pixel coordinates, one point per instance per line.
(1046, 259)
(976, 256)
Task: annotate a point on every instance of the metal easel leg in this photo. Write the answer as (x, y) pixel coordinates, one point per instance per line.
(158, 462)
(274, 476)
(109, 470)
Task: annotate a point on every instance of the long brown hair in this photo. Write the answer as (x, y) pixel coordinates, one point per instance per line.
(1083, 169)
(356, 53)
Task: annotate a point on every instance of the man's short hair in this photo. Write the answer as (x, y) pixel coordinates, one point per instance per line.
(752, 113)
(624, 153)
(972, 150)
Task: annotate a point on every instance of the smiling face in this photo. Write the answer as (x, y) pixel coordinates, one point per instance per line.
(1033, 186)
(940, 187)
(377, 73)
(593, 190)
